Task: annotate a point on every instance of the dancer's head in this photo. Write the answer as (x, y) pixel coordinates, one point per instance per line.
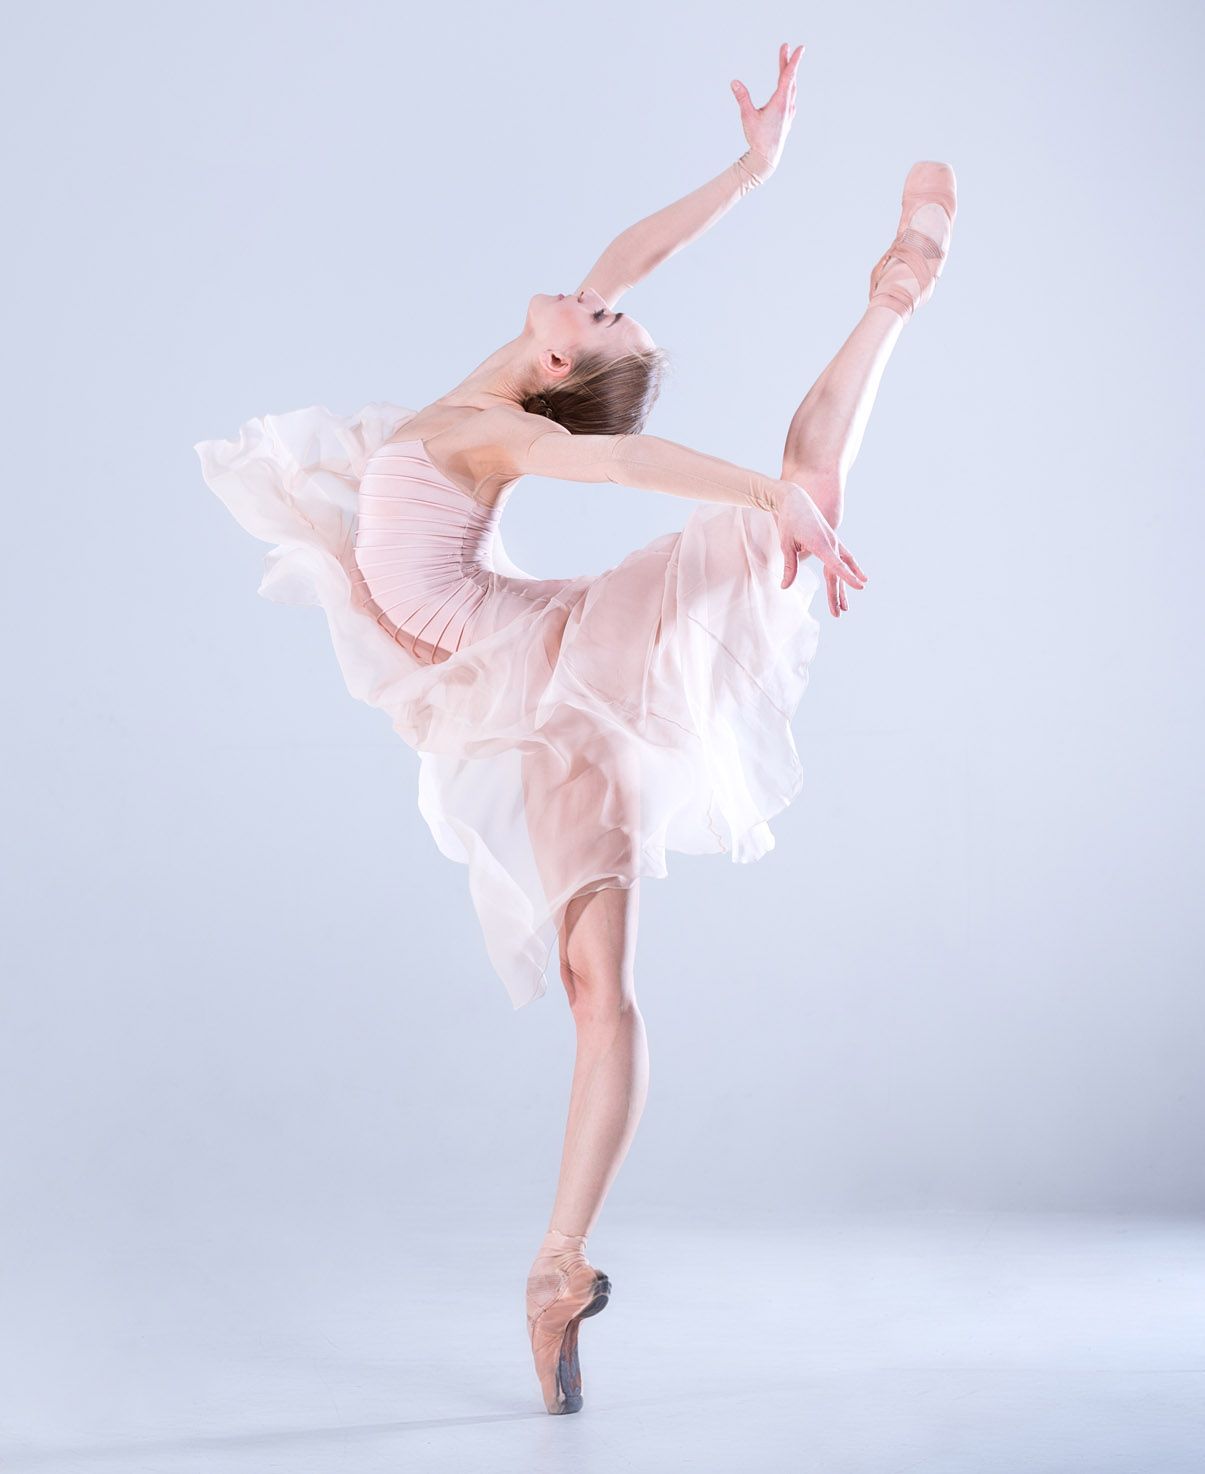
(597, 372)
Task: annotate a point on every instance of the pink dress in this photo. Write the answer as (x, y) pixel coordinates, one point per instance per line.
(570, 732)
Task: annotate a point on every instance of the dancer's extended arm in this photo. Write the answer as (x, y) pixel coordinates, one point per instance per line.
(647, 462)
(651, 463)
(637, 251)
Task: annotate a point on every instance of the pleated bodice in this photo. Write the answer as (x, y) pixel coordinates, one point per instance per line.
(424, 548)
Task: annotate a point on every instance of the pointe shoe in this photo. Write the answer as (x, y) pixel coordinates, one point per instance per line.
(563, 1289)
(904, 276)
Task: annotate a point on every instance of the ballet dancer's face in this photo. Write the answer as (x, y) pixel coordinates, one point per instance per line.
(565, 326)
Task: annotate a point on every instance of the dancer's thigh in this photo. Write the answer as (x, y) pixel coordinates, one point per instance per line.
(581, 794)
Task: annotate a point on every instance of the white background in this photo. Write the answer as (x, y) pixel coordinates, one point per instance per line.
(969, 974)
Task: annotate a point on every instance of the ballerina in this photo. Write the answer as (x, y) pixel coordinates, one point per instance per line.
(572, 731)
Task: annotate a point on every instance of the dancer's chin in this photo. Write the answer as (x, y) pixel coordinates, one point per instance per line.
(540, 305)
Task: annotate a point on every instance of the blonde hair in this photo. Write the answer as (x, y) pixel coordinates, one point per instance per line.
(604, 396)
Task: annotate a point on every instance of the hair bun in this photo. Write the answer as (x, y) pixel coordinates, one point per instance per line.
(602, 395)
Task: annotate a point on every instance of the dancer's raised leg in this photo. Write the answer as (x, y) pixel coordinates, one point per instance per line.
(826, 430)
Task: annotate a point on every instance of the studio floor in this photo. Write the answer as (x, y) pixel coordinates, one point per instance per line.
(890, 1343)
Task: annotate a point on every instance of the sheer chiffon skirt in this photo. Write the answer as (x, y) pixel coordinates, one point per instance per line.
(576, 730)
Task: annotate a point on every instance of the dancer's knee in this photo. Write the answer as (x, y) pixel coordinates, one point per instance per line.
(597, 952)
(597, 988)
(599, 985)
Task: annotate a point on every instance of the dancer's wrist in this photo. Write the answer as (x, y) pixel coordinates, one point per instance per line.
(828, 501)
(771, 494)
(756, 166)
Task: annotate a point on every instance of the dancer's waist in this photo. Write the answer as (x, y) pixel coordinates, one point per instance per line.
(433, 529)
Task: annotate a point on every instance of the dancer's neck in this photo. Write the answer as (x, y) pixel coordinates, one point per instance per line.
(507, 376)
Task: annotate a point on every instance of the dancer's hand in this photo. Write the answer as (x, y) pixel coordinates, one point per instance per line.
(831, 504)
(836, 593)
(766, 128)
(803, 529)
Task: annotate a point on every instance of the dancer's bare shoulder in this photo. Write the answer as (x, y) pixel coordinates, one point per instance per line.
(482, 447)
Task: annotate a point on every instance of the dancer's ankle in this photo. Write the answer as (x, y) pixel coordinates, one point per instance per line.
(556, 1242)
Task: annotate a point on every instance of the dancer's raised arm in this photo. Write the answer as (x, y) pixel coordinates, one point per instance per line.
(634, 253)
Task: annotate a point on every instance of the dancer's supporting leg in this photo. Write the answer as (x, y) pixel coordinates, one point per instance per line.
(826, 430)
(578, 793)
(582, 804)
(611, 1070)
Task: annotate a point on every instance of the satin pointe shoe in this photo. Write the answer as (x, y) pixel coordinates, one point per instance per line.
(563, 1289)
(905, 274)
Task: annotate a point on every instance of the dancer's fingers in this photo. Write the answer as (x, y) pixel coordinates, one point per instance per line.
(788, 62)
(830, 556)
(830, 581)
(790, 563)
(855, 575)
(833, 556)
(844, 596)
(850, 559)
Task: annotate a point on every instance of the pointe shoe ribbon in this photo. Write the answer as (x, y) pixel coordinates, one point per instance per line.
(928, 183)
